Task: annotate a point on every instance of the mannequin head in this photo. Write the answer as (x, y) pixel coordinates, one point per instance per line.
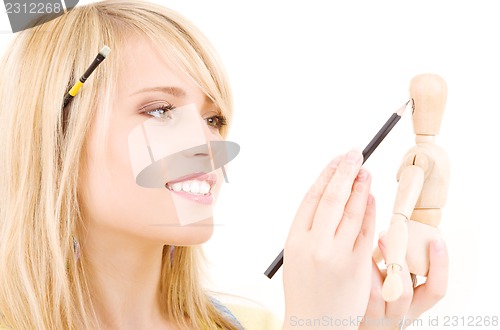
(428, 92)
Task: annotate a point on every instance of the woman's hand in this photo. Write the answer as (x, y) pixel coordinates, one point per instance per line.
(327, 258)
(400, 314)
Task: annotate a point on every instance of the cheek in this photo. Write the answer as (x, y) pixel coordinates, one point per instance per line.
(111, 195)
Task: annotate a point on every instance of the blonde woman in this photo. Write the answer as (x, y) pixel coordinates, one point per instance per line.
(87, 243)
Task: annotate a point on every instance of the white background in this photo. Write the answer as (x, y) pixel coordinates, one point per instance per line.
(311, 80)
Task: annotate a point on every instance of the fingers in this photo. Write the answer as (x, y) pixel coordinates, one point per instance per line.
(333, 201)
(305, 214)
(434, 289)
(354, 211)
(364, 240)
(376, 305)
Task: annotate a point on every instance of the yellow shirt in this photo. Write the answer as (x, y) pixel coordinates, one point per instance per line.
(255, 317)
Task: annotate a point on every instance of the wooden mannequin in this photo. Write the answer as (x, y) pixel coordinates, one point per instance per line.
(423, 184)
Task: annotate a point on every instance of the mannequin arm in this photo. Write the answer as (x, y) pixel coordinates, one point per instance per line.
(410, 186)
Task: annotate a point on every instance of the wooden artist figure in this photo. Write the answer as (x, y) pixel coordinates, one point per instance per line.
(422, 188)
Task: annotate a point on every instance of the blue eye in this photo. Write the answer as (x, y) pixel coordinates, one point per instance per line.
(162, 112)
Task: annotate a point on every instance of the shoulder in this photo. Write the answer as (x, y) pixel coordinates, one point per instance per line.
(225, 312)
(249, 314)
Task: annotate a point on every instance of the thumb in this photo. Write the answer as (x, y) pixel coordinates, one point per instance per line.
(382, 244)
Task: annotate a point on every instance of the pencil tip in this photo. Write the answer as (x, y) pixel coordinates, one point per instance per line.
(408, 104)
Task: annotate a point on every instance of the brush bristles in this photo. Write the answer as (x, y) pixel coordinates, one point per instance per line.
(105, 51)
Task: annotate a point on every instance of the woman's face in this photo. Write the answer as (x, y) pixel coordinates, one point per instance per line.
(154, 177)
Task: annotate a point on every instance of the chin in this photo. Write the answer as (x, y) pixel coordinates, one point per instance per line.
(194, 234)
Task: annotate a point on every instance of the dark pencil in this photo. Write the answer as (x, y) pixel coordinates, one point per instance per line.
(382, 133)
(379, 137)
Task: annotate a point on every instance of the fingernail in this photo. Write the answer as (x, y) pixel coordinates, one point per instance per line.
(382, 240)
(438, 244)
(359, 187)
(353, 156)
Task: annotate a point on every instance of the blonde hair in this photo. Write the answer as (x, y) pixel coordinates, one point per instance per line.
(43, 285)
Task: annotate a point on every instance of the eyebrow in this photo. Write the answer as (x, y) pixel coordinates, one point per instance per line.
(174, 91)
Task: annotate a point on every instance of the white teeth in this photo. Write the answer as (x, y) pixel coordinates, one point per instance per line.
(177, 186)
(192, 187)
(195, 187)
(204, 188)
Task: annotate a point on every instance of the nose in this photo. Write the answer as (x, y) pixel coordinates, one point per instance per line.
(204, 158)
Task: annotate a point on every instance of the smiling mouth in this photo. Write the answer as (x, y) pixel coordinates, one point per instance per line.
(200, 184)
(194, 187)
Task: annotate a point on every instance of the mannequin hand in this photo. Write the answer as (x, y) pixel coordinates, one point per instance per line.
(381, 315)
(327, 258)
